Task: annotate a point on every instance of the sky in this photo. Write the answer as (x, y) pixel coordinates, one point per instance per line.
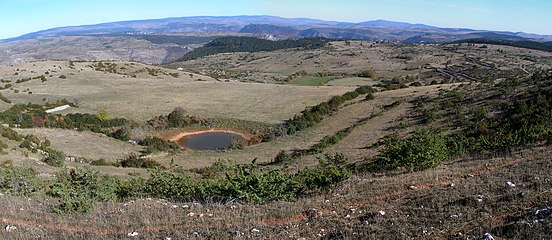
(19, 17)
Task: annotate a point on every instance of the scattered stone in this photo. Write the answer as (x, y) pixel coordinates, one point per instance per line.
(255, 231)
(481, 197)
(167, 238)
(510, 184)
(381, 212)
(133, 234)
(487, 236)
(368, 218)
(10, 228)
(190, 214)
(185, 206)
(522, 194)
(452, 185)
(543, 212)
(174, 206)
(413, 187)
(312, 214)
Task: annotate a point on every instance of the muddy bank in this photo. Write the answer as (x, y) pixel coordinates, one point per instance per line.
(176, 135)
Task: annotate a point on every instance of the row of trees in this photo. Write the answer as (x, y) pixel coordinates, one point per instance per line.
(251, 44)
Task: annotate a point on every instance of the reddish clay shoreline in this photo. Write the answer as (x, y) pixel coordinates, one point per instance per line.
(179, 135)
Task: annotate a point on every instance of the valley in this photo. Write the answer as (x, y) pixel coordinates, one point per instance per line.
(187, 135)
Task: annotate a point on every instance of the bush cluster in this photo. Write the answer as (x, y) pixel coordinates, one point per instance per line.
(424, 149)
(79, 190)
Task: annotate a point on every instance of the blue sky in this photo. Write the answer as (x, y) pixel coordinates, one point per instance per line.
(18, 17)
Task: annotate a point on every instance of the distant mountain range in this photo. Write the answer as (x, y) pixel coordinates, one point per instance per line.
(167, 40)
(279, 28)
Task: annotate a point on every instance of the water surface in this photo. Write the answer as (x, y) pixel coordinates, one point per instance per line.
(210, 140)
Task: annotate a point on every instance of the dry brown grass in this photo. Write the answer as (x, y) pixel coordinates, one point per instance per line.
(442, 203)
(388, 60)
(147, 96)
(87, 145)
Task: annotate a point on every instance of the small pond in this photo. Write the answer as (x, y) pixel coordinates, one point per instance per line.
(210, 140)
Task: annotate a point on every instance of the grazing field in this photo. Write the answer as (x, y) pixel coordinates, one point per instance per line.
(352, 81)
(354, 140)
(311, 81)
(158, 93)
(87, 145)
(401, 62)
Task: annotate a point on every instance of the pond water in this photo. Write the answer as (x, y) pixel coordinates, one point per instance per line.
(210, 140)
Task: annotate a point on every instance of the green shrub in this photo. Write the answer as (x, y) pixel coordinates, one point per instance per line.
(155, 144)
(3, 147)
(101, 162)
(55, 158)
(135, 161)
(122, 134)
(367, 74)
(236, 145)
(425, 149)
(329, 171)
(282, 157)
(20, 181)
(5, 99)
(79, 190)
(260, 185)
(369, 96)
(365, 90)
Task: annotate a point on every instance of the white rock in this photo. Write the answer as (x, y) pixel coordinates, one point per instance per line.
(191, 214)
(133, 234)
(10, 228)
(174, 206)
(510, 184)
(413, 187)
(185, 206)
(487, 236)
(57, 109)
(254, 230)
(382, 212)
